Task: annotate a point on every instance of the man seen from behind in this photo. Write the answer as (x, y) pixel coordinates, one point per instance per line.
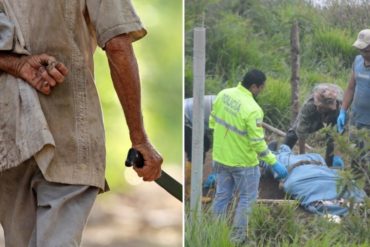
(238, 145)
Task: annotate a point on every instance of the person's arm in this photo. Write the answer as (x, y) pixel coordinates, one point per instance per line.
(347, 101)
(125, 76)
(257, 138)
(304, 122)
(42, 72)
(348, 94)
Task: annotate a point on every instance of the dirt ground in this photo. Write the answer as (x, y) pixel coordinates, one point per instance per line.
(144, 217)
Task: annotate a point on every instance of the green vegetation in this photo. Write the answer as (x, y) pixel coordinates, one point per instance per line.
(283, 225)
(256, 34)
(159, 56)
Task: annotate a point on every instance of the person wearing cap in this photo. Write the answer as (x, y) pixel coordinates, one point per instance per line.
(357, 97)
(320, 109)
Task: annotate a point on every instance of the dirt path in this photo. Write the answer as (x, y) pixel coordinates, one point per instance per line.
(145, 217)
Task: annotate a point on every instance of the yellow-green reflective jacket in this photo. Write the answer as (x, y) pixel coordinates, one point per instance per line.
(238, 137)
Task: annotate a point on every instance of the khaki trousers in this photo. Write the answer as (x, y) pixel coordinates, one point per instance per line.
(38, 213)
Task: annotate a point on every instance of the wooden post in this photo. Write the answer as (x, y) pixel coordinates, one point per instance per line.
(295, 69)
(198, 120)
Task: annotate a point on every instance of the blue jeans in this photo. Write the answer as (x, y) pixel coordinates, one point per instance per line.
(236, 180)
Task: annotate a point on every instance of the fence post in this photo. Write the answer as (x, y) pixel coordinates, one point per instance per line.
(198, 120)
(294, 41)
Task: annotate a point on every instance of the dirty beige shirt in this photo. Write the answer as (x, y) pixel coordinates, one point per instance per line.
(70, 30)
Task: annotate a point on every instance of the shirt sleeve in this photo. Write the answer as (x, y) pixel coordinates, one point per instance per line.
(7, 32)
(110, 18)
(256, 137)
(305, 120)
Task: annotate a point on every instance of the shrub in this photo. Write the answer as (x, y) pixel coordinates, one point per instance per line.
(274, 100)
(328, 43)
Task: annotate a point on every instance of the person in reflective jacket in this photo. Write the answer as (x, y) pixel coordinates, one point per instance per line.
(238, 145)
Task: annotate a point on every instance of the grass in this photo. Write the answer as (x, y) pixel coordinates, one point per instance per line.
(281, 225)
(205, 231)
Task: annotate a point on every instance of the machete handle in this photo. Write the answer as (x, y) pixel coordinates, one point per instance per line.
(134, 158)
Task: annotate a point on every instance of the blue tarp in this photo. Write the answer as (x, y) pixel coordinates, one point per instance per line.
(312, 184)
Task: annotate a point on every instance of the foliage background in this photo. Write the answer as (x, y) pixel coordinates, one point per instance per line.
(256, 34)
(159, 56)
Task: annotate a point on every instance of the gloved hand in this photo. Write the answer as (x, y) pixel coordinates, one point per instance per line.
(280, 170)
(338, 162)
(210, 181)
(341, 120)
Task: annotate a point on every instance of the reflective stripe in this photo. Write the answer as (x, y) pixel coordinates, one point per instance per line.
(229, 127)
(257, 139)
(264, 153)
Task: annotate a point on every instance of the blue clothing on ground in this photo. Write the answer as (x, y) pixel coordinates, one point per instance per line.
(313, 183)
(243, 180)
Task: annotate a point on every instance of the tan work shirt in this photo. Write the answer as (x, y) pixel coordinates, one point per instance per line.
(70, 30)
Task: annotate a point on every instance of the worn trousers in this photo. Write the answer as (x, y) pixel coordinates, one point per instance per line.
(38, 213)
(232, 181)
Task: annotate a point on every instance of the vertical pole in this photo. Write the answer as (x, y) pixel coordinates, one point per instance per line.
(198, 120)
(295, 69)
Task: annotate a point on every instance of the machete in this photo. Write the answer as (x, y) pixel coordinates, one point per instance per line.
(135, 158)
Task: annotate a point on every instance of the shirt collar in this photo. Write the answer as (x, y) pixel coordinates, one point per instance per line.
(243, 89)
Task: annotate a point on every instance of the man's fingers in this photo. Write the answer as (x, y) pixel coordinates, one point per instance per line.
(56, 70)
(46, 76)
(61, 68)
(152, 162)
(45, 59)
(44, 87)
(153, 175)
(148, 173)
(41, 85)
(43, 72)
(53, 73)
(57, 75)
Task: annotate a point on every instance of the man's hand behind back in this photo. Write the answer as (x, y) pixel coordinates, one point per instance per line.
(43, 72)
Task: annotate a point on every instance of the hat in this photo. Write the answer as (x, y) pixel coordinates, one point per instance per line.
(326, 96)
(363, 39)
